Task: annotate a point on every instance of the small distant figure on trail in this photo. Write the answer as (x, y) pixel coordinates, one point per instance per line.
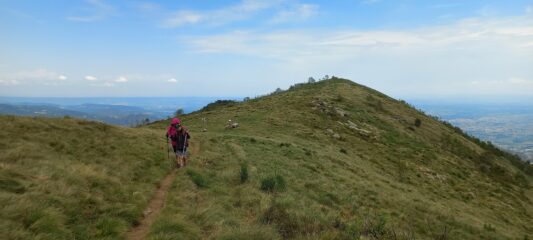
(179, 137)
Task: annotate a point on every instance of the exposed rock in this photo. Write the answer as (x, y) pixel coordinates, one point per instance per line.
(359, 130)
(336, 136)
(341, 112)
(232, 124)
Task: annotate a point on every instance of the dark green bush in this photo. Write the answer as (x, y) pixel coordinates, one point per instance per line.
(275, 183)
(244, 173)
(418, 122)
(268, 184)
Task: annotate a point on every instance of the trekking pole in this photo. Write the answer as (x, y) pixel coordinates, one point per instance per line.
(168, 154)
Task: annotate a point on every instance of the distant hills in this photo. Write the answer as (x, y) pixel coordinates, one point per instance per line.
(112, 114)
(118, 111)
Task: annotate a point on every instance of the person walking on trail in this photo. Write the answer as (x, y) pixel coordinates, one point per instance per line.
(179, 137)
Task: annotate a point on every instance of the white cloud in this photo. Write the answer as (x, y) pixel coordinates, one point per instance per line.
(62, 77)
(121, 79)
(297, 13)
(95, 11)
(244, 10)
(513, 33)
(407, 61)
(172, 80)
(181, 18)
(90, 78)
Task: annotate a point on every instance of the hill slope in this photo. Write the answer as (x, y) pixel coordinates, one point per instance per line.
(74, 179)
(351, 163)
(330, 160)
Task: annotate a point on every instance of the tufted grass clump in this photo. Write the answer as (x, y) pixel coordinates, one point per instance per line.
(273, 184)
(244, 172)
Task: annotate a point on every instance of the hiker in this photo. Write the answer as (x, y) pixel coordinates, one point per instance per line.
(179, 137)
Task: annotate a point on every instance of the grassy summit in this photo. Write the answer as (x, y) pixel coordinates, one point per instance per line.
(329, 160)
(352, 162)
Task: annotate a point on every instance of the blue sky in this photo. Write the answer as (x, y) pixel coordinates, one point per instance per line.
(405, 48)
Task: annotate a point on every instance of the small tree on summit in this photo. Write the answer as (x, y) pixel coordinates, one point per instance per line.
(311, 80)
(179, 112)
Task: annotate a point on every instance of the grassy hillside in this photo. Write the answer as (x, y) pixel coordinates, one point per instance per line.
(336, 160)
(330, 160)
(74, 179)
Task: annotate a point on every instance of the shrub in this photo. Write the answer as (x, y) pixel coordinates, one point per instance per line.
(344, 151)
(179, 112)
(275, 183)
(244, 172)
(268, 184)
(418, 122)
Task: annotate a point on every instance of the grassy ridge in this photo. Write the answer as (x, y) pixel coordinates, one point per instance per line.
(74, 179)
(330, 160)
(381, 177)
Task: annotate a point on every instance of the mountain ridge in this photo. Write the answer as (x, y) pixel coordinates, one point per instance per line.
(326, 160)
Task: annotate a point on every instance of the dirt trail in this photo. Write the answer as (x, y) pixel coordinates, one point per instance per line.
(152, 211)
(157, 202)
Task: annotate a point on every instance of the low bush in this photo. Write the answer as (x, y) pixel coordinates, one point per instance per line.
(273, 183)
(244, 173)
(418, 122)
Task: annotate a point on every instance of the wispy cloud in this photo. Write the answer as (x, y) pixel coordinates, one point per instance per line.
(90, 78)
(95, 10)
(172, 80)
(511, 32)
(241, 11)
(121, 79)
(62, 77)
(299, 12)
(477, 49)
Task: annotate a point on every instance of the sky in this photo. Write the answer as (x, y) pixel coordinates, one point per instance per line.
(404, 48)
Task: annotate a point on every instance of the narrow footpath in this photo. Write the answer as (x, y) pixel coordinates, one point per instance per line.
(152, 211)
(158, 201)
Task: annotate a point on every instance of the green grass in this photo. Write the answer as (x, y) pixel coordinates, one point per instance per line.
(73, 179)
(383, 179)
